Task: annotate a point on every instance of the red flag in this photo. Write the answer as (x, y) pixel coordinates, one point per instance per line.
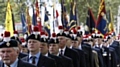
(102, 20)
(101, 10)
(38, 16)
(57, 14)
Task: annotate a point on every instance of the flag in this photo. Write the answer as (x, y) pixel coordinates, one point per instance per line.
(28, 21)
(56, 19)
(102, 20)
(46, 23)
(53, 18)
(38, 19)
(64, 18)
(9, 20)
(73, 16)
(37, 8)
(34, 20)
(23, 20)
(90, 22)
(110, 21)
(13, 20)
(57, 14)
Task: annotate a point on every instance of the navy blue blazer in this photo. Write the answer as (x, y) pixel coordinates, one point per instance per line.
(67, 62)
(100, 56)
(43, 61)
(82, 57)
(21, 55)
(57, 59)
(88, 54)
(20, 64)
(74, 55)
(116, 46)
(112, 57)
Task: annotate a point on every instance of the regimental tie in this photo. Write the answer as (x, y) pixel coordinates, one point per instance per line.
(33, 59)
(61, 52)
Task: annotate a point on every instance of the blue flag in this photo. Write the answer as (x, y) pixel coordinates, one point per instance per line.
(46, 23)
(102, 26)
(23, 20)
(73, 16)
(102, 20)
(34, 20)
(90, 22)
(64, 16)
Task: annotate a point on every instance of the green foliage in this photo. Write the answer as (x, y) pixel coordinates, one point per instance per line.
(81, 8)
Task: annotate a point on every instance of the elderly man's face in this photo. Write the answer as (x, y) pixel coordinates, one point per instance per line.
(8, 55)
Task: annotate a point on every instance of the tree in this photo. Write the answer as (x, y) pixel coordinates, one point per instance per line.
(94, 4)
(81, 8)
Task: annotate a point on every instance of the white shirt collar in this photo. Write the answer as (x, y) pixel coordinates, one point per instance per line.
(96, 45)
(93, 46)
(58, 54)
(71, 47)
(99, 46)
(36, 55)
(108, 45)
(13, 64)
(46, 55)
(80, 47)
(111, 42)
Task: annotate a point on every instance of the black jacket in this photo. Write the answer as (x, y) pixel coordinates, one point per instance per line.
(74, 55)
(20, 64)
(43, 61)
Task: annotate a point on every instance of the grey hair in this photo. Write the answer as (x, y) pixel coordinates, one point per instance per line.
(16, 48)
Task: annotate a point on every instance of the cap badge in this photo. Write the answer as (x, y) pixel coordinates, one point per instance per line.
(55, 40)
(8, 44)
(36, 36)
(44, 39)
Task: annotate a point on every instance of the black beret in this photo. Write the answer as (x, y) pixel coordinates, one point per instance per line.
(74, 38)
(68, 36)
(61, 34)
(53, 41)
(16, 38)
(85, 40)
(33, 36)
(79, 34)
(11, 43)
(45, 40)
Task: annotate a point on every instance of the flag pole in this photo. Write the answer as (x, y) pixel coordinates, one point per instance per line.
(62, 4)
(118, 20)
(53, 16)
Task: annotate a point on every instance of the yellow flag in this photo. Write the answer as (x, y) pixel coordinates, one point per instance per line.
(111, 22)
(8, 20)
(28, 19)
